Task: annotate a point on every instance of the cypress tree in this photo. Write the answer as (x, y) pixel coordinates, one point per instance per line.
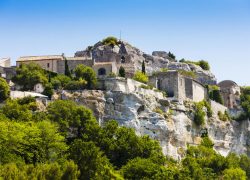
(122, 72)
(67, 71)
(143, 69)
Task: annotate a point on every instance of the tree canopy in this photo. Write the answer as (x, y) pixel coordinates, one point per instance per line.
(28, 75)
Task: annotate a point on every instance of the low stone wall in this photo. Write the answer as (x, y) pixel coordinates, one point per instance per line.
(126, 85)
(216, 107)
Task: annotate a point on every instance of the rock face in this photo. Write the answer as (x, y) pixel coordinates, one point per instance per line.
(172, 125)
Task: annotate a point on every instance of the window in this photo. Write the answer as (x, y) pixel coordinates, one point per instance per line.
(101, 71)
(47, 65)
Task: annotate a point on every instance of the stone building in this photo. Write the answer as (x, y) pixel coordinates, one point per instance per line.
(231, 94)
(178, 86)
(104, 69)
(6, 70)
(57, 63)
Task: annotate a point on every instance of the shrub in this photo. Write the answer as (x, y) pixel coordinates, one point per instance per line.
(158, 110)
(86, 73)
(216, 96)
(76, 85)
(204, 65)
(112, 75)
(139, 76)
(223, 117)
(110, 41)
(4, 90)
(146, 86)
(187, 73)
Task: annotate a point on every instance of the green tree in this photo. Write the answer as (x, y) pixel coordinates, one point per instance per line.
(139, 168)
(67, 71)
(4, 90)
(86, 73)
(171, 55)
(72, 118)
(60, 81)
(33, 142)
(139, 76)
(28, 75)
(235, 174)
(93, 164)
(122, 72)
(143, 69)
(76, 85)
(48, 90)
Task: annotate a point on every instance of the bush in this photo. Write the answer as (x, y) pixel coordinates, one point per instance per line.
(146, 86)
(86, 73)
(141, 77)
(4, 90)
(110, 41)
(187, 73)
(223, 117)
(76, 85)
(60, 81)
(204, 65)
(216, 96)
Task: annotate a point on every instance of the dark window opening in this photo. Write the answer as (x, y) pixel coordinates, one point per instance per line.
(47, 65)
(101, 71)
(122, 59)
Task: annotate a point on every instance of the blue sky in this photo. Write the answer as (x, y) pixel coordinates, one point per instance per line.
(215, 30)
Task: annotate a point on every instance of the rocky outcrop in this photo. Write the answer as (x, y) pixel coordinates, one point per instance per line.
(131, 59)
(170, 122)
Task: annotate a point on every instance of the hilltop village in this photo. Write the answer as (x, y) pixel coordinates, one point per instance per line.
(174, 102)
(184, 80)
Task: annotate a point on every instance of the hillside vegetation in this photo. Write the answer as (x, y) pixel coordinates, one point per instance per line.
(66, 142)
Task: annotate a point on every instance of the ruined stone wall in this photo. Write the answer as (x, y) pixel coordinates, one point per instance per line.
(189, 88)
(181, 88)
(216, 107)
(199, 92)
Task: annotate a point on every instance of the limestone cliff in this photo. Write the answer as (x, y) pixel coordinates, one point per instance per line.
(172, 125)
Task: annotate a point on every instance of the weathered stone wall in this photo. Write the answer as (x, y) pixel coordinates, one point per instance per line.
(48, 64)
(199, 92)
(189, 88)
(181, 88)
(72, 64)
(216, 107)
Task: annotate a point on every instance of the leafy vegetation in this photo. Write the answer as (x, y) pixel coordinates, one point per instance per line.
(110, 41)
(214, 94)
(66, 142)
(86, 73)
(187, 73)
(171, 55)
(245, 103)
(28, 75)
(141, 77)
(203, 64)
(224, 116)
(4, 90)
(199, 114)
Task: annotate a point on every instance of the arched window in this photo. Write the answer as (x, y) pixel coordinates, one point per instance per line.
(101, 71)
(122, 59)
